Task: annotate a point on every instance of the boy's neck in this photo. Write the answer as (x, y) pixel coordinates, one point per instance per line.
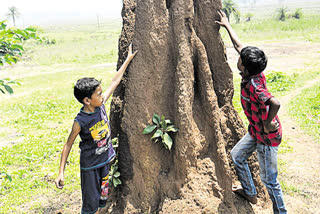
(89, 109)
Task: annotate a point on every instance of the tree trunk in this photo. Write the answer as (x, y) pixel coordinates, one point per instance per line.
(180, 72)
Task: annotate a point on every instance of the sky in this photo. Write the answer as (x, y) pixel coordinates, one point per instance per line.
(47, 12)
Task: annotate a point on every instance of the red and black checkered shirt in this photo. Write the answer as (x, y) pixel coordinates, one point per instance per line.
(254, 95)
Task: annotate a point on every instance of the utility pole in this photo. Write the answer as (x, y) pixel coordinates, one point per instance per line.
(98, 21)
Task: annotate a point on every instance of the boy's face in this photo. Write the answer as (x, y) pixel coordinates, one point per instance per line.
(243, 72)
(97, 97)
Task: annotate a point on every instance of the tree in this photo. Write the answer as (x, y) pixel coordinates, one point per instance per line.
(13, 13)
(230, 7)
(181, 72)
(282, 13)
(11, 49)
(248, 17)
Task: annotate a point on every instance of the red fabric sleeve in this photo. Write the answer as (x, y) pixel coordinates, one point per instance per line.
(261, 93)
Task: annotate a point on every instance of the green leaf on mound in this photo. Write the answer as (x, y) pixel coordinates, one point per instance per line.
(167, 141)
(156, 119)
(171, 129)
(157, 134)
(149, 129)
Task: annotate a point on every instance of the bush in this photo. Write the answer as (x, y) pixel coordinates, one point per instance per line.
(297, 14)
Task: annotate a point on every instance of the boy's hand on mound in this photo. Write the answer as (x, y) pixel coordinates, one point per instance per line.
(223, 19)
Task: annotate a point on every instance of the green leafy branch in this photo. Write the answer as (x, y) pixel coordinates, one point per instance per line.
(163, 127)
(11, 49)
(4, 85)
(114, 174)
(10, 42)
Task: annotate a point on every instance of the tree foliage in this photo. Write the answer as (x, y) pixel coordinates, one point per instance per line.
(248, 17)
(11, 48)
(282, 13)
(230, 7)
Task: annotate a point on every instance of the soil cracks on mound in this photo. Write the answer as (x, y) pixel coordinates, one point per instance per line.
(301, 171)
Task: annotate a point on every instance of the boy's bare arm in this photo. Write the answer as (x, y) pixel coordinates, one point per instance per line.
(274, 106)
(117, 77)
(233, 36)
(65, 153)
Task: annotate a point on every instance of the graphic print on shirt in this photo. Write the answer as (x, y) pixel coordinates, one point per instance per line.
(100, 134)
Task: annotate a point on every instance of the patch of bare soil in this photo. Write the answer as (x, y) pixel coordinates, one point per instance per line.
(61, 204)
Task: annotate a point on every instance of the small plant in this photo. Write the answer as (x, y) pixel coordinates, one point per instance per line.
(47, 41)
(163, 127)
(114, 174)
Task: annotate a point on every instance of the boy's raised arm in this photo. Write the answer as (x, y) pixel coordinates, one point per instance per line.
(233, 36)
(65, 153)
(117, 77)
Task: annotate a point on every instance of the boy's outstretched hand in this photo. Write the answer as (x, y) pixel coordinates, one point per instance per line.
(130, 54)
(223, 19)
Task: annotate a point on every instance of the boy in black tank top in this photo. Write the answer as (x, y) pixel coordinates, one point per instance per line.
(92, 125)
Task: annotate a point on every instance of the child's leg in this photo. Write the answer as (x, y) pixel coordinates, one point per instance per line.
(267, 157)
(104, 174)
(91, 191)
(240, 153)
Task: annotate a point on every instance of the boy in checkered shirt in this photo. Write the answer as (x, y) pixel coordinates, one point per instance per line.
(264, 131)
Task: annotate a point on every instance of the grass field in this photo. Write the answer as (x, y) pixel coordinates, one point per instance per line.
(38, 117)
(35, 121)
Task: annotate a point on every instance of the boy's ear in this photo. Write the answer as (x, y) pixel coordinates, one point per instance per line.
(86, 101)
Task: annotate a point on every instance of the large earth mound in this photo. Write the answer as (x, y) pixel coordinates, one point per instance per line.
(180, 71)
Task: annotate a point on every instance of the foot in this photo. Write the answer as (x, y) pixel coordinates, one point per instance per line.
(240, 191)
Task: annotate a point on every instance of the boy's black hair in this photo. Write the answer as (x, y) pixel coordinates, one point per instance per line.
(253, 59)
(85, 87)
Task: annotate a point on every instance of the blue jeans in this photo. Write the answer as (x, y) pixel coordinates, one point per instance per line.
(267, 158)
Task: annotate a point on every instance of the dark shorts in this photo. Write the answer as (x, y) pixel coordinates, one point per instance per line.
(95, 188)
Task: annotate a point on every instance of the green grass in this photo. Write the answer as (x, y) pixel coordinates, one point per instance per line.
(40, 113)
(304, 29)
(84, 44)
(305, 108)
(44, 117)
